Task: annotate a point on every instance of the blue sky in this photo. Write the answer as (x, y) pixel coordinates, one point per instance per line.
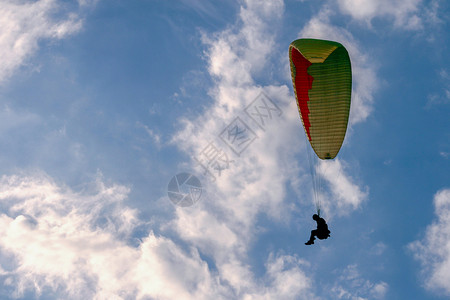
(103, 102)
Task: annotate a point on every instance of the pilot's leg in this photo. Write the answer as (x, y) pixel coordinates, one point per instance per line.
(311, 239)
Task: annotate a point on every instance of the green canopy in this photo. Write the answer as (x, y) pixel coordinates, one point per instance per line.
(322, 79)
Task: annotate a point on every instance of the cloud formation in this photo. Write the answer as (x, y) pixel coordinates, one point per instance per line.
(58, 239)
(23, 24)
(351, 285)
(56, 242)
(77, 245)
(433, 250)
(443, 97)
(403, 13)
(345, 194)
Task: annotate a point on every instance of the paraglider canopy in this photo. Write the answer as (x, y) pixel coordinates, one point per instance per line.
(322, 80)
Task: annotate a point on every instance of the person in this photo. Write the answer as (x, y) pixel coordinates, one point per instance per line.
(321, 232)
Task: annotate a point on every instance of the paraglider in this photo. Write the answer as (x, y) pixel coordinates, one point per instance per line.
(321, 232)
(322, 80)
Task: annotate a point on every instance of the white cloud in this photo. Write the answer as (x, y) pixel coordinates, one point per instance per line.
(378, 249)
(75, 245)
(24, 23)
(284, 280)
(443, 97)
(11, 120)
(404, 13)
(151, 133)
(444, 154)
(433, 251)
(53, 235)
(55, 242)
(351, 285)
(345, 195)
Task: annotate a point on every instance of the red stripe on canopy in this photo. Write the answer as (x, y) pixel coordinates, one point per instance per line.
(303, 83)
